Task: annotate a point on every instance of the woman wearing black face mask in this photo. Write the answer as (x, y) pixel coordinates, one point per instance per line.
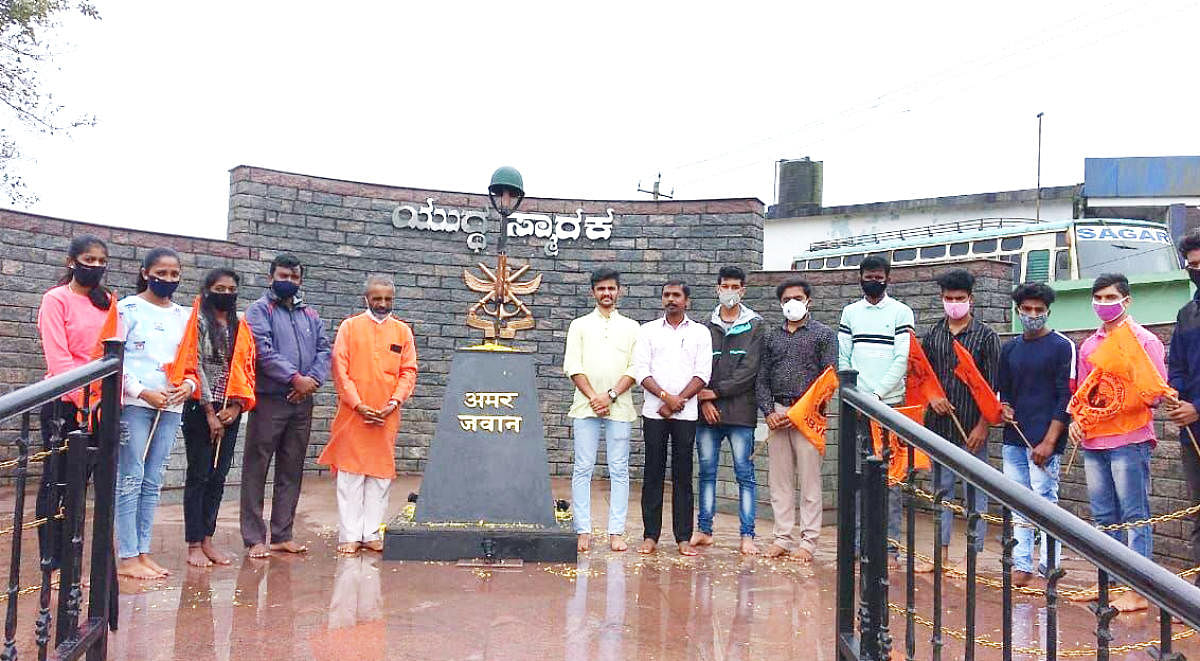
(69, 320)
(210, 424)
(150, 419)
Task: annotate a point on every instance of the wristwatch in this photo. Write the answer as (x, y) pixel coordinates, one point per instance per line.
(612, 394)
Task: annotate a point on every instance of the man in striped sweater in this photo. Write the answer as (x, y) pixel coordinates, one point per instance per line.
(873, 337)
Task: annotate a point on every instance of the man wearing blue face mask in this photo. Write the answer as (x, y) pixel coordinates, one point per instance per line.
(293, 361)
(1035, 378)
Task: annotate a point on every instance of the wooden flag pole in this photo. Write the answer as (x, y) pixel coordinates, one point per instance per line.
(217, 452)
(1021, 434)
(153, 427)
(1071, 461)
(1195, 446)
(954, 417)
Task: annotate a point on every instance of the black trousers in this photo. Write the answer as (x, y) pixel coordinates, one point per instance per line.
(278, 429)
(57, 419)
(205, 484)
(681, 436)
(1191, 470)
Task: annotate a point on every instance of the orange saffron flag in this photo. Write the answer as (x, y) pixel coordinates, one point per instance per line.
(983, 393)
(808, 413)
(921, 386)
(187, 354)
(241, 368)
(1116, 396)
(108, 331)
(898, 468)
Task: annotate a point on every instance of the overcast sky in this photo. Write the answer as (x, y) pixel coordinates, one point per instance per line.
(898, 101)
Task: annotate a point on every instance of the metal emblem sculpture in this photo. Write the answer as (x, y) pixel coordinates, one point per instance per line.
(500, 313)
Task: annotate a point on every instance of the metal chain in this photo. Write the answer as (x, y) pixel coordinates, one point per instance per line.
(991, 518)
(36, 523)
(1079, 652)
(1036, 592)
(35, 457)
(28, 589)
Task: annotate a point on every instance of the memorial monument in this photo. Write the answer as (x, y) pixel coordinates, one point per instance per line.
(485, 493)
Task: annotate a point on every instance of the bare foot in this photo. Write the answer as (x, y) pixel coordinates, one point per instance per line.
(1130, 602)
(617, 543)
(701, 539)
(154, 566)
(196, 556)
(775, 551)
(375, 545)
(259, 550)
(289, 546)
(687, 549)
(748, 546)
(583, 542)
(216, 555)
(348, 548)
(647, 547)
(133, 568)
(1021, 579)
(804, 555)
(1084, 596)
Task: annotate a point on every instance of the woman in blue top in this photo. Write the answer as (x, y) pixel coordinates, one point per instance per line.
(154, 327)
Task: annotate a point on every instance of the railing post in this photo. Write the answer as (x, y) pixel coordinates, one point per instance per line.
(1007, 544)
(70, 594)
(108, 437)
(14, 567)
(876, 641)
(847, 511)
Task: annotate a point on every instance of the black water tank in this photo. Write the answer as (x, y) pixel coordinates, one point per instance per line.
(799, 188)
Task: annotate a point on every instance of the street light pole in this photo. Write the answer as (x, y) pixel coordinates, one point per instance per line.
(1038, 208)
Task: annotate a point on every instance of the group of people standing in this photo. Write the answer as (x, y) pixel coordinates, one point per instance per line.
(199, 369)
(707, 382)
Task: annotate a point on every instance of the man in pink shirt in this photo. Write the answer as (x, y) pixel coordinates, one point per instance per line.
(1118, 466)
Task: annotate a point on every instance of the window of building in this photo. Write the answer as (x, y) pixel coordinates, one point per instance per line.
(959, 249)
(1062, 265)
(906, 255)
(984, 246)
(853, 260)
(1012, 242)
(833, 262)
(815, 263)
(1060, 240)
(1038, 266)
(932, 252)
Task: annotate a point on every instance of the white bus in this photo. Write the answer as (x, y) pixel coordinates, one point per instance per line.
(1040, 251)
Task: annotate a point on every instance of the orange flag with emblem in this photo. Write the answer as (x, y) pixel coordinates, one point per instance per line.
(921, 386)
(983, 393)
(898, 468)
(187, 353)
(241, 368)
(808, 413)
(1116, 396)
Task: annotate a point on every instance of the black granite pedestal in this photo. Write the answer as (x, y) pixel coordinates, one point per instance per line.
(486, 487)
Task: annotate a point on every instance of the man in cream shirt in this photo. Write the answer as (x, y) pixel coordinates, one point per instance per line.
(599, 360)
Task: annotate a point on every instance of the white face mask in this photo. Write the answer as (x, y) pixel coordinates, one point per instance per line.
(729, 298)
(794, 310)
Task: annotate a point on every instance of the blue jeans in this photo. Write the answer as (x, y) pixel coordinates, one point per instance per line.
(1043, 480)
(587, 442)
(138, 482)
(708, 451)
(949, 477)
(1118, 484)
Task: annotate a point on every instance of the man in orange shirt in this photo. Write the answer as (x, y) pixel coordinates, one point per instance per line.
(375, 370)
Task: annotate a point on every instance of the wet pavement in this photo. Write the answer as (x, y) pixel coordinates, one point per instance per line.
(720, 605)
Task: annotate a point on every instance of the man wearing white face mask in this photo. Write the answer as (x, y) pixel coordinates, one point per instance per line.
(727, 404)
(793, 355)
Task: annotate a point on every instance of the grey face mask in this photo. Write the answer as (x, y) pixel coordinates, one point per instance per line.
(1032, 324)
(729, 298)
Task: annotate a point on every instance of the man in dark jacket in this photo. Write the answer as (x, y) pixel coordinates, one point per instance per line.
(293, 361)
(728, 405)
(1183, 369)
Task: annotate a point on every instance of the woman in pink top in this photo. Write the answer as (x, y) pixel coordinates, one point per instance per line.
(69, 322)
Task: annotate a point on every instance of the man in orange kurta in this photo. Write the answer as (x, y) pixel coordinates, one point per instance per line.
(375, 370)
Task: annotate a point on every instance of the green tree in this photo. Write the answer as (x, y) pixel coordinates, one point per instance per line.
(24, 51)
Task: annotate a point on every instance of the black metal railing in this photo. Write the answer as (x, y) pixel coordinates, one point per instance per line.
(76, 451)
(863, 494)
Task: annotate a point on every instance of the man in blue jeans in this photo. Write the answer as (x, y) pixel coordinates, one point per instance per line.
(728, 406)
(1034, 380)
(599, 361)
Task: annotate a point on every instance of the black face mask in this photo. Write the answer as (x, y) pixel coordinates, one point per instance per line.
(88, 276)
(223, 302)
(873, 288)
(162, 288)
(1194, 274)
